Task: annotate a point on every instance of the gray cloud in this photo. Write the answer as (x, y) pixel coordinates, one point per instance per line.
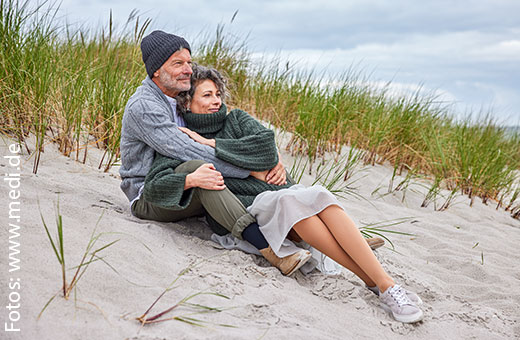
(468, 50)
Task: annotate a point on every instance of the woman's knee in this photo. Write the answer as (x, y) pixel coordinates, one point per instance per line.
(189, 166)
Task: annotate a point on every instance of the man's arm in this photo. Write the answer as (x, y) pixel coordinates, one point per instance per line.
(151, 124)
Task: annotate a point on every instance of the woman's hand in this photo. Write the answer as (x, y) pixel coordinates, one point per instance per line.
(198, 138)
(277, 174)
(205, 177)
(261, 175)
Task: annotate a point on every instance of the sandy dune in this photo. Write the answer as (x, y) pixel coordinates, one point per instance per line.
(463, 262)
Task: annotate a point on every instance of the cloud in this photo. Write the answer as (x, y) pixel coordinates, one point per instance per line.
(447, 45)
(313, 24)
(471, 69)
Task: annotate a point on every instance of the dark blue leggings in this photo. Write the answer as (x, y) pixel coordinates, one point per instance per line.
(253, 235)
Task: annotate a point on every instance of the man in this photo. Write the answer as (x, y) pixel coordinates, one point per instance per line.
(150, 125)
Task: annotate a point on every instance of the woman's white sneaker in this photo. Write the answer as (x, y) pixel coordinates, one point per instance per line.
(395, 301)
(411, 295)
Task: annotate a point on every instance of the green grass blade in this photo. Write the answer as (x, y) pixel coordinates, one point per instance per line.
(50, 237)
(46, 305)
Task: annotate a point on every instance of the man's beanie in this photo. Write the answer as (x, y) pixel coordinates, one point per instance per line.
(157, 47)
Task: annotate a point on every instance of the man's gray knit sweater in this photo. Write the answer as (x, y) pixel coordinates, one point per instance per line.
(149, 127)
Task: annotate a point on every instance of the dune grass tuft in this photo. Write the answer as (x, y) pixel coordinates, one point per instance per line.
(90, 255)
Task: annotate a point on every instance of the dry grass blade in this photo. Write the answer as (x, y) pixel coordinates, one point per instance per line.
(118, 273)
(47, 305)
(144, 319)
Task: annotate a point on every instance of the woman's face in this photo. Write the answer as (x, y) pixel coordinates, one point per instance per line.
(206, 99)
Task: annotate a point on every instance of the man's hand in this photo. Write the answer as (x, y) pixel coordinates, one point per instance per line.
(198, 138)
(205, 177)
(277, 174)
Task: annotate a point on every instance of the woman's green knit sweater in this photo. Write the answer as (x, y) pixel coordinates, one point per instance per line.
(239, 140)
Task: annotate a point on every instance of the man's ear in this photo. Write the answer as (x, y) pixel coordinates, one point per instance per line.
(156, 74)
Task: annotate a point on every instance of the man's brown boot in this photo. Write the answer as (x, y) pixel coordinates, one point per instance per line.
(288, 264)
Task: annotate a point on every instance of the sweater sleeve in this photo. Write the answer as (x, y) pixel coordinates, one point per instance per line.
(246, 143)
(153, 125)
(164, 187)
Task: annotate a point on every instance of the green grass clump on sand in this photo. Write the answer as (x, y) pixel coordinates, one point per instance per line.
(90, 255)
(72, 85)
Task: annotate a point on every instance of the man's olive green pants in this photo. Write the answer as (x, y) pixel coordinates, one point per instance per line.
(221, 205)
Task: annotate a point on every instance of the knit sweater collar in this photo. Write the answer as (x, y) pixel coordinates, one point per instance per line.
(148, 82)
(206, 123)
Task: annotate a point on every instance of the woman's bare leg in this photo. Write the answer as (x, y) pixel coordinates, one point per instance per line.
(336, 235)
(313, 231)
(348, 236)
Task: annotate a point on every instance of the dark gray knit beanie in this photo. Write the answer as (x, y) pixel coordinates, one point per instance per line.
(157, 47)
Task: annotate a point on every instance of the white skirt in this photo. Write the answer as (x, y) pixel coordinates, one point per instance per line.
(278, 211)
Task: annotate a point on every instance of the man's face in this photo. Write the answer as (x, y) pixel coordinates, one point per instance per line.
(174, 75)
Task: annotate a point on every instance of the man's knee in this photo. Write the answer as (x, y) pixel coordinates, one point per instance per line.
(211, 194)
(189, 166)
(217, 199)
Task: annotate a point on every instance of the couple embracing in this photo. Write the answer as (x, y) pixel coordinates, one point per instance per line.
(183, 155)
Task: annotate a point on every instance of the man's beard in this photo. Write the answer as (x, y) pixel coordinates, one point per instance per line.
(171, 84)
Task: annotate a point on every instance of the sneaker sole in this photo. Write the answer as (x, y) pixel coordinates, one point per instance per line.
(303, 260)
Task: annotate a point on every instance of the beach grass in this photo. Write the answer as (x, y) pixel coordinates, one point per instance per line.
(195, 308)
(71, 85)
(383, 228)
(90, 255)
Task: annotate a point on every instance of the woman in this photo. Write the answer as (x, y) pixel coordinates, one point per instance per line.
(312, 213)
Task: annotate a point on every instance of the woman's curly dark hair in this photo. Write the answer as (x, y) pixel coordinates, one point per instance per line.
(201, 73)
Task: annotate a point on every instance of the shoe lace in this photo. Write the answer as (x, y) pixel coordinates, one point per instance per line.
(400, 297)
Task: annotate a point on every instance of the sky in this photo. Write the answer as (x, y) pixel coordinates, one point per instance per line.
(466, 53)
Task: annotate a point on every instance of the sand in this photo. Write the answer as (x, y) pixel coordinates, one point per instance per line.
(463, 262)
